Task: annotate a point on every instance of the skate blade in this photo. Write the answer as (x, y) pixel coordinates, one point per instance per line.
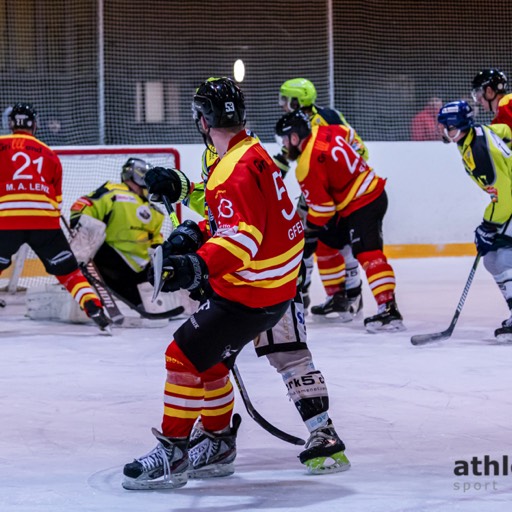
(212, 471)
(393, 326)
(176, 481)
(335, 463)
(343, 318)
(504, 338)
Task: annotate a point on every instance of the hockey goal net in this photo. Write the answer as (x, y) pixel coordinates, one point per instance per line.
(84, 170)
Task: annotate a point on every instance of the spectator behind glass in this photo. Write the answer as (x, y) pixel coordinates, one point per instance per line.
(424, 124)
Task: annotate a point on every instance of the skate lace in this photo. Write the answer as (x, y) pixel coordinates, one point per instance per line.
(158, 456)
(319, 438)
(205, 451)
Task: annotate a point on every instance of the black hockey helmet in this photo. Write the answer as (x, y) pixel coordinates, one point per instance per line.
(493, 78)
(135, 169)
(22, 117)
(221, 102)
(294, 122)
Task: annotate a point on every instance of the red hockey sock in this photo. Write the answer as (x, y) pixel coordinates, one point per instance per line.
(380, 274)
(79, 288)
(331, 266)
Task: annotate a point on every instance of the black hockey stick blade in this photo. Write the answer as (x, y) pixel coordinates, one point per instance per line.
(423, 339)
(258, 418)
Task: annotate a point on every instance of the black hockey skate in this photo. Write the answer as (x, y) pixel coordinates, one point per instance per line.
(504, 333)
(164, 467)
(325, 452)
(335, 307)
(387, 319)
(97, 315)
(2, 303)
(212, 455)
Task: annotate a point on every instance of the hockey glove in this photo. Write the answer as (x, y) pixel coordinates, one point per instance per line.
(171, 183)
(189, 272)
(485, 237)
(186, 238)
(282, 162)
(310, 242)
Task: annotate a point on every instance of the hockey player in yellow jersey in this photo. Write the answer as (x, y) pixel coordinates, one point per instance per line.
(487, 158)
(339, 270)
(116, 227)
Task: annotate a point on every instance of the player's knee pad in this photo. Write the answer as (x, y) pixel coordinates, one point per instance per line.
(498, 262)
(288, 362)
(177, 361)
(306, 387)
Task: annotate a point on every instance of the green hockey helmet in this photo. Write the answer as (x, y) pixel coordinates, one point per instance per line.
(297, 93)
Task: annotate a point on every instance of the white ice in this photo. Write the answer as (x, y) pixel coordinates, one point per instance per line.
(76, 406)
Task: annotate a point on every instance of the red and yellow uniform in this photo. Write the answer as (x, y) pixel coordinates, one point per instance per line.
(254, 253)
(30, 201)
(337, 181)
(30, 184)
(504, 114)
(333, 177)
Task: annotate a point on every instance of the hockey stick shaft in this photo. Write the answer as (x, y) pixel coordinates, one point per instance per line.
(423, 339)
(257, 417)
(253, 413)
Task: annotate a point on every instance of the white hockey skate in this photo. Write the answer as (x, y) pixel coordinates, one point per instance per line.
(212, 455)
(324, 452)
(164, 467)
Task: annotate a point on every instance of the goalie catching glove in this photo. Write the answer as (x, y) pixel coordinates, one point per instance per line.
(171, 183)
(187, 272)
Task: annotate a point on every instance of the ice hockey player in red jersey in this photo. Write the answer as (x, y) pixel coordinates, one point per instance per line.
(30, 202)
(339, 270)
(249, 259)
(490, 90)
(338, 183)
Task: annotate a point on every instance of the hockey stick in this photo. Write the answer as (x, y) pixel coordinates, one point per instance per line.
(257, 417)
(93, 276)
(97, 282)
(423, 339)
(107, 293)
(253, 413)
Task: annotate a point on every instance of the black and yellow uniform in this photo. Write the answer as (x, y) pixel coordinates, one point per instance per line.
(133, 226)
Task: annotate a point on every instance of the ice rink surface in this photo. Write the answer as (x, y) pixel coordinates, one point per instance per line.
(76, 406)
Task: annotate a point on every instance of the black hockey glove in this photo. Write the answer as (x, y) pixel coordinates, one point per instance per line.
(171, 183)
(188, 272)
(485, 237)
(310, 241)
(282, 162)
(186, 238)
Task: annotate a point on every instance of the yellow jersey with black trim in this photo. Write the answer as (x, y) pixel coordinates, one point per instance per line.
(487, 157)
(30, 184)
(255, 251)
(133, 225)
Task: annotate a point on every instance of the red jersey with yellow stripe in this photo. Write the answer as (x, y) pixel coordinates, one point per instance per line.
(333, 177)
(30, 184)
(504, 114)
(257, 241)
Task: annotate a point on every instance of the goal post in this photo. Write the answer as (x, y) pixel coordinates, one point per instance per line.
(84, 170)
